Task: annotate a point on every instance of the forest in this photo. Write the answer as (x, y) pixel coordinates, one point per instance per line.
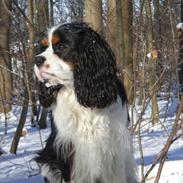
(146, 37)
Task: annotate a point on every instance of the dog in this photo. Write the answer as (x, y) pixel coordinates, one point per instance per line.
(90, 141)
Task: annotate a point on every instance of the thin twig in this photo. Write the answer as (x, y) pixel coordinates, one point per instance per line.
(23, 14)
(164, 151)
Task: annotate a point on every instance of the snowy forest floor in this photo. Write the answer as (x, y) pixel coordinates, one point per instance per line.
(21, 168)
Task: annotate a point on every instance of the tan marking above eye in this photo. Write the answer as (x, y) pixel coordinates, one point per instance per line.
(44, 42)
(55, 39)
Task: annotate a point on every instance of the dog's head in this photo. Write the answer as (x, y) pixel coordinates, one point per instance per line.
(76, 56)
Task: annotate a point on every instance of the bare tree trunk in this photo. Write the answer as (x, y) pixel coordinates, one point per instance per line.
(5, 61)
(42, 15)
(127, 21)
(28, 81)
(155, 109)
(42, 24)
(51, 13)
(143, 66)
(180, 59)
(30, 58)
(157, 23)
(21, 124)
(120, 44)
(93, 14)
(112, 25)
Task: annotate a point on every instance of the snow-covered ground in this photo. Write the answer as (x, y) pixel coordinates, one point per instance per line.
(153, 141)
(21, 168)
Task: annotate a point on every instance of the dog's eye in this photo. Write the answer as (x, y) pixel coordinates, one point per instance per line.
(59, 48)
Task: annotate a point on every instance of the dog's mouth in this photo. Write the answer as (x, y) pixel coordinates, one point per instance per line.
(42, 75)
(49, 77)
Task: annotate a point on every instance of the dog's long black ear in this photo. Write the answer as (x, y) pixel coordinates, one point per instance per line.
(95, 73)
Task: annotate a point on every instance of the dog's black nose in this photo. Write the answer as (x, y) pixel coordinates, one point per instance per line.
(39, 60)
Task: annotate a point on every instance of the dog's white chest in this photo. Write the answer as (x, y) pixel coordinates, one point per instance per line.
(93, 133)
(77, 122)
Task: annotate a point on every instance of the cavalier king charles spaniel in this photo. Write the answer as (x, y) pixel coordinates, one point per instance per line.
(91, 142)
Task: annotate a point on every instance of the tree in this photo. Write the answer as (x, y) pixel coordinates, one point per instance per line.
(5, 61)
(112, 25)
(142, 65)
(152, 89)
(21, 123)
(31, 50)
(157, 19)
(127, 23)
(93, 14)
(119, 34)
(42, 15)
(180, 59)
(28, 89)
(42, 25)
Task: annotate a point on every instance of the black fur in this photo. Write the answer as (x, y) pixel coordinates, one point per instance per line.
(47, 95)
(95, 74)
(121, 91)
(95, 82)
(56, 162)
(95, 79)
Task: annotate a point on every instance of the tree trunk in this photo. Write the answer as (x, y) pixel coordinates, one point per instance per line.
(42, 15)
(42, 24)
(5, 61)
(93, 14)
(21, 124)
(180, 59)
(127, 21)
(155, 109)
(120, 45)
(112, 25)
(30, 59)
(142, 66)
(157, 19)
(51, 13)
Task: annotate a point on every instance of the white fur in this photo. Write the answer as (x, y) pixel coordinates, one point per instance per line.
(101, 140)
(52, 176)
(58, 70)
(100, 137)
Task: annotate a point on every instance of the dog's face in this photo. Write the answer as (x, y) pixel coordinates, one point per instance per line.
(56, 63)
(78, 57)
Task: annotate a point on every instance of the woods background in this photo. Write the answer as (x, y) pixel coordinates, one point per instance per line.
(142, 34)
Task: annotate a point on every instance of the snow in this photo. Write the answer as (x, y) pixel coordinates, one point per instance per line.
(21, 168)
(171, 173)
(153, 140)
(149, 55)
(180, 25)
